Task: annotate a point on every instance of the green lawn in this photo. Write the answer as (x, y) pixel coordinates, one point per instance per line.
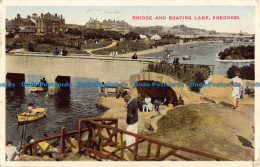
(123, 47)
(51, 48)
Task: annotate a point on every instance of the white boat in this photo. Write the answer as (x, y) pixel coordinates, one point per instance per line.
(186, 57)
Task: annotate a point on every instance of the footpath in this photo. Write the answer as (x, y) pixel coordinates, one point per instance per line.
(109, 46)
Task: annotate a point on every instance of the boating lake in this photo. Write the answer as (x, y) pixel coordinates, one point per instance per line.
(203, 53)
(65, 108)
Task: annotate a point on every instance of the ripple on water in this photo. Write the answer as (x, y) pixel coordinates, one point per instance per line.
(64, 109)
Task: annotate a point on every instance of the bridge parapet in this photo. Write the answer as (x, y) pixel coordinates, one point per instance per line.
(106, 69)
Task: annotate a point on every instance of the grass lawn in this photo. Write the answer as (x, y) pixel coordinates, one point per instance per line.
(94, 45)
(51, 48)
(123, 47)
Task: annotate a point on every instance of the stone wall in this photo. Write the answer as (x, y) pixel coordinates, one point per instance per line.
(182, 93)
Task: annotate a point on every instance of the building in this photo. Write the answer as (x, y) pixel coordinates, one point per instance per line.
(143, 36)
(119, 26)
(109, 25)
(48, 23)
(10, 27)
(23, 22)
(150, 30)
(26, 32)
(156, 37)
(93, 24)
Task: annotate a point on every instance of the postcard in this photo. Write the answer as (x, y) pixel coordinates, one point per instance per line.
(113, 83)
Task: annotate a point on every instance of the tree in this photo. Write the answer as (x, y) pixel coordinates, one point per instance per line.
(132, 36)
(75, 32)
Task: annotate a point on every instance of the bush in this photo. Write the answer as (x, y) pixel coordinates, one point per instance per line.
(231, 71)
(101, 34)
(184, 73)
(247, 72)
(238, 53)
(32, 47)
(165, 42)
(132, 36)
(74, 32)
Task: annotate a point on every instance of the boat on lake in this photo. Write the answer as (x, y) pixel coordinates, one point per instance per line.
(23, 117)
(186, 57)
(37, 89)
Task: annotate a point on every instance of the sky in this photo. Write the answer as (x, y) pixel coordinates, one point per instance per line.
(81, 14)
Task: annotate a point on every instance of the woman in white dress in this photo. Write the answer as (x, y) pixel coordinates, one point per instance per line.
(148, 104)
(237, 89)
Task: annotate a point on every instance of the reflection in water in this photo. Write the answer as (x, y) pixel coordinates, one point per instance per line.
(62, 99)
(64, 108)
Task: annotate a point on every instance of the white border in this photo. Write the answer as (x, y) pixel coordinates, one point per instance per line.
(128, 3)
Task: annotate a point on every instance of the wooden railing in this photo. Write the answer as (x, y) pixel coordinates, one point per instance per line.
(104, 140)
(103, 136)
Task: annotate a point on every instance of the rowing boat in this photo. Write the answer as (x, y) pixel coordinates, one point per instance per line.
(40, 112)
(186, 57)
(37, 89)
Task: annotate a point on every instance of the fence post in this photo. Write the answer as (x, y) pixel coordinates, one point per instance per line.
(24, 149)
(116, 128)
(63, 133)
(136, 147)
(34, 149)
(79, 135)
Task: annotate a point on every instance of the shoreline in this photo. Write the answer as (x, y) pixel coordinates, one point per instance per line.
(161, 48)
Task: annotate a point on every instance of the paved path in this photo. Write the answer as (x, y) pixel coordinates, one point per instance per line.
(223, 94)
(109, 46)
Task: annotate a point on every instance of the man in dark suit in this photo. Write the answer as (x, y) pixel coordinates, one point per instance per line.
(132, 117)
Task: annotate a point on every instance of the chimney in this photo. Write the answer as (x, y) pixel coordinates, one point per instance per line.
(41, 15)
(61, 16)
(56, 15)
(34, 15)
(28, 17)
(18, 16)
(48, 15)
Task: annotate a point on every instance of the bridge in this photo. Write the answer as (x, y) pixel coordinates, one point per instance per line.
(105, 68)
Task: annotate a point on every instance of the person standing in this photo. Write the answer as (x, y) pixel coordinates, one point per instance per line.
(64, 52)
(10, 151)
(156, 104)
(56, 52)
(148, 103)
(134, 56)
(237, 89)
(119, 91)
(29, 139)
(104, 89)
(132, 106)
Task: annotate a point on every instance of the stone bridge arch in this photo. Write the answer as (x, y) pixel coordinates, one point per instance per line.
(180, 95)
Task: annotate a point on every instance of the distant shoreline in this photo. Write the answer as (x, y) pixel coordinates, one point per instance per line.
(161, 48)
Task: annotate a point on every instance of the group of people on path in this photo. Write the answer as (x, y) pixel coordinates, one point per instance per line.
(64, 52)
